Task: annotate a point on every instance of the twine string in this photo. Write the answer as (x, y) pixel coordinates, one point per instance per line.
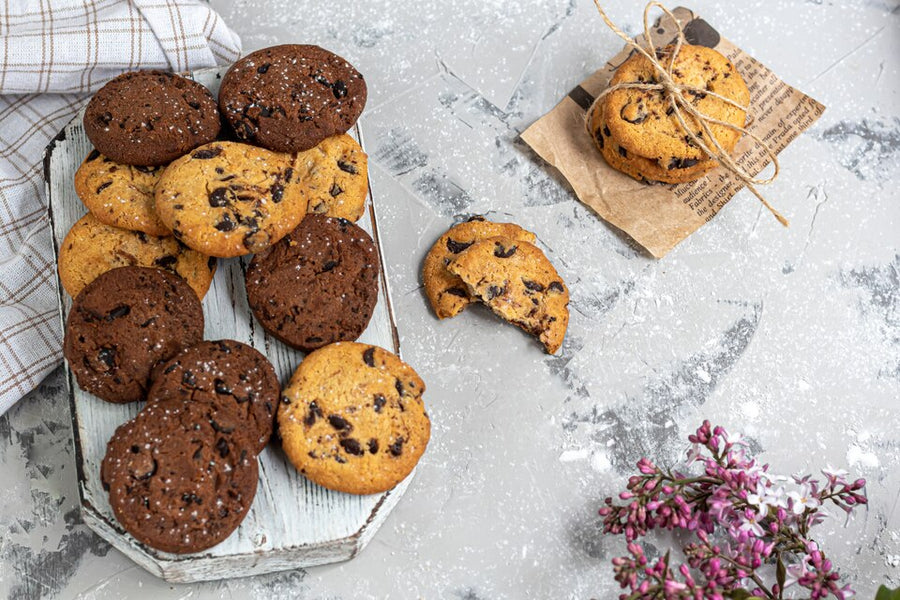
(679, 104)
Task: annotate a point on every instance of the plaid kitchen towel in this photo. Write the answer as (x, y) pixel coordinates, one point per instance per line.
(53, 54)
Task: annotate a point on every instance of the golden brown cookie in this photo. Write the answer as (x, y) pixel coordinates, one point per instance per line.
(352, 418)
(517, 281)
(642, 120)
(639, 167)
(336, 177)
(91, 248)
(120, 195)
(446, 292)
(230, 199)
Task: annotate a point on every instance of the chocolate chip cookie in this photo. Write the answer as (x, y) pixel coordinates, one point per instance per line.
(120, 195)
(176, 482)
(91, 248)
(336, 176)
(643, 122)
(517, 281)
(150, 118)
(289, 98)
(318, 285)
(447, 292)
(125, 322)
(229, 199)
(232, 377)
(352, 418)
(643, 169)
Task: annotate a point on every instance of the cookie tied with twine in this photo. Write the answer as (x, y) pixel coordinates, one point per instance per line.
(703, 136)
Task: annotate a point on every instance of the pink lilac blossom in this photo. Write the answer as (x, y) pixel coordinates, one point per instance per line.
(746, 525)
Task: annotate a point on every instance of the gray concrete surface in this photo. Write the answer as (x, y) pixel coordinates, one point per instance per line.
(791, 336)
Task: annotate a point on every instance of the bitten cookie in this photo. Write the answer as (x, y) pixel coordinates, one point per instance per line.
(639, 167)
(229, 199)
(352, 418)
(318, 285)
(336, 176)
(230, 376)
(120, 195)
(289, 98)
(642, 120)
(150, 118)
(91, 248)
(176, 482)
(447, 292)
(125, 322)
(517, 281)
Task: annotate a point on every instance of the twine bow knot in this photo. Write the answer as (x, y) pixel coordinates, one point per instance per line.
(679, 104)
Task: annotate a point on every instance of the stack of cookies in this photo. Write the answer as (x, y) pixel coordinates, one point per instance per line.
(498, 265)
(638, 132)
(169, 192)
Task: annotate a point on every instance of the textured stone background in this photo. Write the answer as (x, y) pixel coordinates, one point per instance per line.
(790, 336)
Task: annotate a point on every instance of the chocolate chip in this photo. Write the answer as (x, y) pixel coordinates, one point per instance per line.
(339, 89)
(92, 156)
(314, 411)
(669, 111)
(373, 446)
(339, 459)
(222, 447)
(277, 191)
(220, 428)
(369, 357)
(321, 80)
(606, 131)
(148, 322)
(174, 365)
(534, 286)
(188, 379)
(338, 422)
(457, 247)
(106, 118)
(218, 197)
(261, 69)
(379, 402)
(221, 388)
(623, 152)
(600, 141)
(103, 186)
(494, 291)
(226, 224)
(244, 130)
(329, 265)
(682, 163)
(634, 113)
(397, 447)
(207, 153)
(556, 286)
(198, 454)
(135, 449)
(211, 263)
(335, 190)
(119, 311)
(347, 167)
(502, 252)
(107, 356)
(455, 291)
(352, 446)
(191, 498)
(165, 262)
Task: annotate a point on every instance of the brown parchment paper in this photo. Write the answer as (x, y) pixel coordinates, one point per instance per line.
(660, 216)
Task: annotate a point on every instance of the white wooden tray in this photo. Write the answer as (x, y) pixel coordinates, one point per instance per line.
(293, 522)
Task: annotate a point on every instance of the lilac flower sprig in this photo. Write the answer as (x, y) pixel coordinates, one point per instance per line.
(746, 522)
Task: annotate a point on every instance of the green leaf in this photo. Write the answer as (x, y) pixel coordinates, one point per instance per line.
(884, 593)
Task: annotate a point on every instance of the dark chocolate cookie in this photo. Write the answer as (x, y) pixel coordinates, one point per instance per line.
(123, 323)
(177, 482)
(150, 118)
(289, 98)
(230, 376)
(318, 285)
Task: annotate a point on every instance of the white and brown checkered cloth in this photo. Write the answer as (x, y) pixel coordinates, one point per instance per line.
(53, 54)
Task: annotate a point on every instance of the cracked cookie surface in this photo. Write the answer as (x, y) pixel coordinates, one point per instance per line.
(336, 176)
(125, 322)
(447, 292)
(231, 377)
(150, 118)
(230, 199)
(175, 482)
(289, 98)
(518, 282)
(352, 418)
(318, 285)
(91, 248)
(120, 195)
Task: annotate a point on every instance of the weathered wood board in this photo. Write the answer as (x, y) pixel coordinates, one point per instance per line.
(293, 522)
